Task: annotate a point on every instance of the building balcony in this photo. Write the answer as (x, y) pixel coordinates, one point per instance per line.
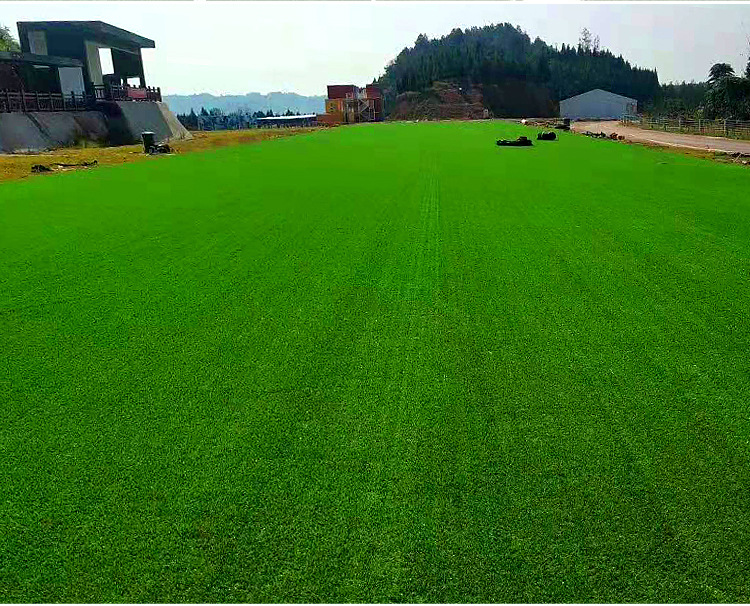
(24, 101)
(119, 92)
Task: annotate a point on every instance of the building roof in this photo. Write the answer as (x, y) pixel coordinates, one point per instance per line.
(31, 58)
(94, 29)
(339, 91)
(601, 90)
(289, 117)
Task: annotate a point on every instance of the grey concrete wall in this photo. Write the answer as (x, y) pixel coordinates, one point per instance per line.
(177, 130)
(39, 131)
(119, 123)
(64, 129)
(19, 134)
(138, 117)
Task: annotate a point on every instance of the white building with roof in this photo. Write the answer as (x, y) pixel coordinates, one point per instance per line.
(598, 104)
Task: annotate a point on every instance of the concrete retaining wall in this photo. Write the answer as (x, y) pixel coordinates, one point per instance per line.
(63, 129)
(116, 124)
(150, 116)
(19, 134)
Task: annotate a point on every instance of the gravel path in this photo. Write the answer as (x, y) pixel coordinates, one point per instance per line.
(663, 138)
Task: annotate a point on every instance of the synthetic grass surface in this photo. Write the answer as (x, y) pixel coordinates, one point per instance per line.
(378, 363)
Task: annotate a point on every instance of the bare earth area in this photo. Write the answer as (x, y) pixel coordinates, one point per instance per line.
(17, 166)
(642, 135)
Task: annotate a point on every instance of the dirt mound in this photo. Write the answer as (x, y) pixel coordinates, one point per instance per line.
(445, 100)
(442, 101)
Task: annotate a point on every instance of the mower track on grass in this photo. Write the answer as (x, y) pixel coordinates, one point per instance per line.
(424, 275)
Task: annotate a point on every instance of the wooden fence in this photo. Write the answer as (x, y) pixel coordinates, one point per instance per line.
(20, 101)
(15, 101)
(117, 92)
(733, 129)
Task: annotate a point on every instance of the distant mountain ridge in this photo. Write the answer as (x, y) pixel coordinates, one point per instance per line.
(277, 101)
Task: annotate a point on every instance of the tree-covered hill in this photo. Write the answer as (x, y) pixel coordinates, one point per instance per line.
(494, 54)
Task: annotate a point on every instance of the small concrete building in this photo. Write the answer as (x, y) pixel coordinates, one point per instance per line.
(57, 91)
(597, 104)
(82, 40)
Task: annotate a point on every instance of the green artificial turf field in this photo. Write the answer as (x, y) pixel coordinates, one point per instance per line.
(378, 363)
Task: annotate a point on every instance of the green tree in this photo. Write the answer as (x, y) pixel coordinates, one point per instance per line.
(728, 95)
(523, 71)
(586, 41)
(7, 41)
(679, 99)
(719, 71)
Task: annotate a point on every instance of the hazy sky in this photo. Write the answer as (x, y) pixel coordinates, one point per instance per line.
(239, 47)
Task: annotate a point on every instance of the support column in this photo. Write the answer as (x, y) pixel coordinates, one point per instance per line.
(141, 74)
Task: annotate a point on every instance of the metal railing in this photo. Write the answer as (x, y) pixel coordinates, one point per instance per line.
(19, 101)
(22, 101)
(733, 129)
(118, 92)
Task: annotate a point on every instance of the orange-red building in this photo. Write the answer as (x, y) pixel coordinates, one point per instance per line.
(349, 104)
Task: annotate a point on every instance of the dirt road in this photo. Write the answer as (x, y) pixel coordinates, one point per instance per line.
(699, 142)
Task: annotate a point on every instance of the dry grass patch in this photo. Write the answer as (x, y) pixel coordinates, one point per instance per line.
(18, 166)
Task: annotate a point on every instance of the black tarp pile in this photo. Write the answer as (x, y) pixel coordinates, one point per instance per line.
(520, 142)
